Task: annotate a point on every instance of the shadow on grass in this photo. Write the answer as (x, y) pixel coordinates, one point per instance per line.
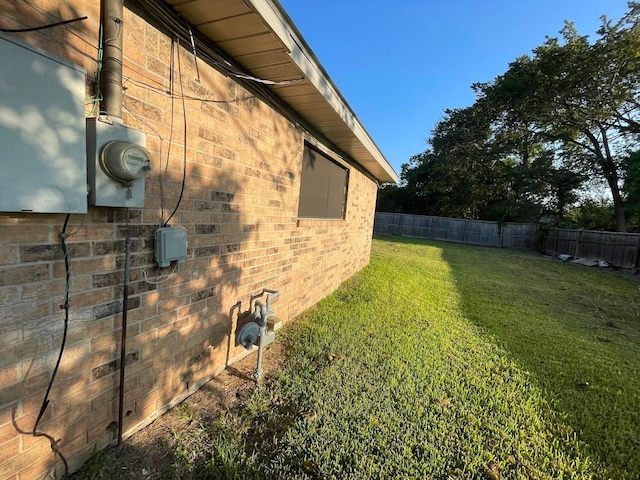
(575, 329)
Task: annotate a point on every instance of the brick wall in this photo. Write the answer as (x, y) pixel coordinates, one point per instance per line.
(240, 211)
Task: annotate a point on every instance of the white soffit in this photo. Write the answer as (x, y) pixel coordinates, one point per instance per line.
(261, 37)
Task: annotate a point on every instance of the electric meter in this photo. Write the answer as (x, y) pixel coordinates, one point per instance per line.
(117, 164)
(125, 162)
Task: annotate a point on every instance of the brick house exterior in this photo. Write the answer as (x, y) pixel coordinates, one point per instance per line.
(240, 207)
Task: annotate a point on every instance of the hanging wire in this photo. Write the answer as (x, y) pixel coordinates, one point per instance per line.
(42, 27)
(172, 94)
(160, 14)
(45, 402)
(184, 158)
(93, 102)
(65, 307)
(158, 282)
(140, 119)
(98, 89)
(167, 21)
(159, 89)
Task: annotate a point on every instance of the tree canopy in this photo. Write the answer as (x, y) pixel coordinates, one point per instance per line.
(563, 118)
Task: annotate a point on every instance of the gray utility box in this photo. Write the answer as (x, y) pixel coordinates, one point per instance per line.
(42, 131)
(171, 244)
(104, 190)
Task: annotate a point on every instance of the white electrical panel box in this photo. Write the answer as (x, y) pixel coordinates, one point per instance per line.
(171, 244)
(42, 131)
(117, 164)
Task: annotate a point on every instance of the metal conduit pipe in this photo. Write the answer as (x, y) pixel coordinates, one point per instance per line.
(112, 34)
(123, 339)
(111, 72)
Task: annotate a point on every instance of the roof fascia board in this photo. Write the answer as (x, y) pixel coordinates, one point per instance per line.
(283, 27)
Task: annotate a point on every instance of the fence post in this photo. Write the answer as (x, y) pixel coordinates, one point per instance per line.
(429, 230)
(500, 234)
(464, 233)
(636, 263)
(575, 251)
(555, 241)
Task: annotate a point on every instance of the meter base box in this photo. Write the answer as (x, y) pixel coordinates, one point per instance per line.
(171, 244)
(104, 191)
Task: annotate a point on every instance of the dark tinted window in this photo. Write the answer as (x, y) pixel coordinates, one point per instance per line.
(323, 186)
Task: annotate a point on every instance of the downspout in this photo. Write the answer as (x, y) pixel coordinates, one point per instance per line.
(111, 72)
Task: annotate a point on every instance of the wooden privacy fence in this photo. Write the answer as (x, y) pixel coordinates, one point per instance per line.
(618, 249)
(474, 232)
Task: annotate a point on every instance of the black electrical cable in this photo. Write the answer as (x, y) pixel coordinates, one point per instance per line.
(168, 20)
(65, 307)
(184, 158)
(42, 27)
(172, 95)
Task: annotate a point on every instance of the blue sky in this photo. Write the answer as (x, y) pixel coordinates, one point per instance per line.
(400, 64)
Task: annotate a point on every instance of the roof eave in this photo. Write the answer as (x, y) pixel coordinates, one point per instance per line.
(315, 91)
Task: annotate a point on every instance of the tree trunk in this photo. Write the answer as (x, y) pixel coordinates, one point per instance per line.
(611, 174)
(618, 207)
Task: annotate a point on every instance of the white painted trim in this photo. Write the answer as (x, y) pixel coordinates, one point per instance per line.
(302, 56)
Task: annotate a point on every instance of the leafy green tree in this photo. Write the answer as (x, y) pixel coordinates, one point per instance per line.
(430, 187)
(592, 214)
(568, 113)
(563, 186)
(618, 47)
(631, 188)
(390, 199)
(578, 96)
(475, 169)
(464, 163)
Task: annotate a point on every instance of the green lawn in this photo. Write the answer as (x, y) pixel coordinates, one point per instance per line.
(576, 330)
(450, 362)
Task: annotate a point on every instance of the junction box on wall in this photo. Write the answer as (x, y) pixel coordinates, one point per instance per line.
(117, 163)
(171, 244)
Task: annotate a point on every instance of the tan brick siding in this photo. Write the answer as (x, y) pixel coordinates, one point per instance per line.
(240, 211)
